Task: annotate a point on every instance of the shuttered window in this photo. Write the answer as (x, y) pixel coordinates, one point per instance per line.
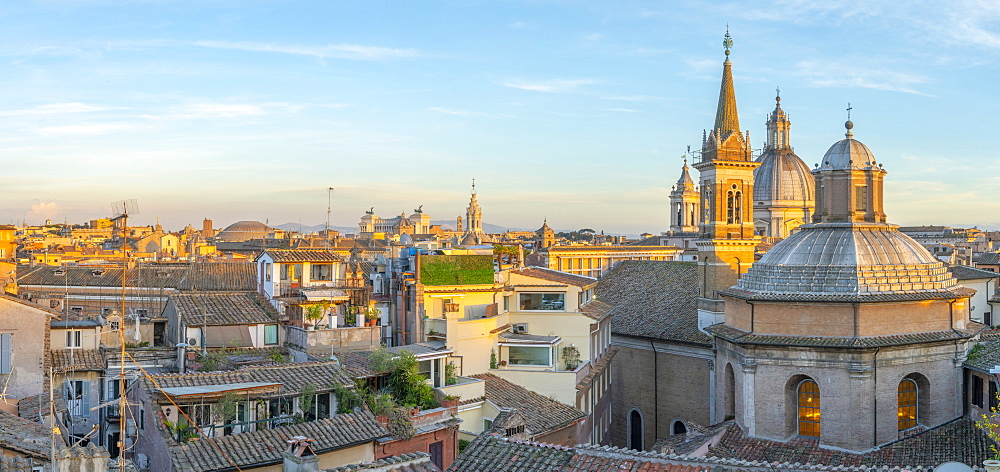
(5, 351)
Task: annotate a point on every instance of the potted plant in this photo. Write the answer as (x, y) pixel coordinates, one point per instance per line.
(351, 318)
(314, 313)
(990, 425)
(371, 316)
(450, 401)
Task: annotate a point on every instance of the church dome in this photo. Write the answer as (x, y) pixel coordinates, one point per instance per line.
(244, 231)
(782, 176)
(847, 259)
(848, 153)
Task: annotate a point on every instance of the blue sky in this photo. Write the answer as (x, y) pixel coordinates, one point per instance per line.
(575, 111)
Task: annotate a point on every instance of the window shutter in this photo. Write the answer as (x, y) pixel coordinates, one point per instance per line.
(85, 399)
(5, 353)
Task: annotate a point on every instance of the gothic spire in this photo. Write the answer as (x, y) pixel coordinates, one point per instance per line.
(726, 119)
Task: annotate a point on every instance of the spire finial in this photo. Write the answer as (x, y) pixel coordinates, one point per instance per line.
(727, 42)
(849, 125)
(777, 95)
(473, 185)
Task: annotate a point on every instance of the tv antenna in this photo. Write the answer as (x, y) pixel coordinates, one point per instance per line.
(121, 210)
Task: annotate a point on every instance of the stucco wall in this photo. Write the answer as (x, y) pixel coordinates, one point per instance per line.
(29, 330)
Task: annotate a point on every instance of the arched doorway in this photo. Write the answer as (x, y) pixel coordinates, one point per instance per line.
(635, 430)
(809, 408)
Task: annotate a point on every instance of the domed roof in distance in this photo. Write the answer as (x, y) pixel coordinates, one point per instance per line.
(782, 176)
(847, 259)
(244, 231)
(848, 153)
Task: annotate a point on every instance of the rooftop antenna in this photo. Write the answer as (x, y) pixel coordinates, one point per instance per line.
(122, 209)
(329, 193)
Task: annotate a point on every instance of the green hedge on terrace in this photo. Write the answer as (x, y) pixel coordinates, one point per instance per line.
(456, 270)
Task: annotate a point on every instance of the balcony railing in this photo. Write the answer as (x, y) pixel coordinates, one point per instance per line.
(294, 289)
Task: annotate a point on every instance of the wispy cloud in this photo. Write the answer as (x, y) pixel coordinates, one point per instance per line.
(593, 36)
(54, 109)
(852, 74)
(329, 51)
(553, 85)
(518, 25)
(92, 129)
(449, 111)
(632, 98)
(623, 110)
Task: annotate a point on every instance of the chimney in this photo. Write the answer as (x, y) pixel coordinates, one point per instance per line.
(299, 456)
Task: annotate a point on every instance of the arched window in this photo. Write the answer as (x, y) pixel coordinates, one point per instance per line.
(809, 411)
(906, 399)
(678, 428)
(730, 393)
(635, 430)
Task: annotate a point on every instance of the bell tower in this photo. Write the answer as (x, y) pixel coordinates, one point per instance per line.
(727, 241)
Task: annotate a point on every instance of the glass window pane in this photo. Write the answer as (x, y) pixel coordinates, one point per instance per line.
(809, 409)
(521, 355)
(542, 301)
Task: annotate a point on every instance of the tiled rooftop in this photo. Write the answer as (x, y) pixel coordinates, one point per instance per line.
(984, 356)
(412, 462)
(970, 273)
(902, 296)
(77, 359)
(541, 414)
(293, 377)
(739, 336)
(215, 309)
(303, 255)
(24, 436)
(989, 258)
(654, 299)
(958, 440)
(266, 446)
(201, 276)
(556, 276)
(596, 309)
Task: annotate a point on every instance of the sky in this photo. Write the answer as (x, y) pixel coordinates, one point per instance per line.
(578, 112)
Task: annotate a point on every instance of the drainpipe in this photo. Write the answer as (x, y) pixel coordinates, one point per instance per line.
(656, 394)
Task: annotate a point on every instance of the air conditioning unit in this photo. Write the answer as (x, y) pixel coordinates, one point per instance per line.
(193, 342)
(130, 427)
(142, 461)
(519, 328)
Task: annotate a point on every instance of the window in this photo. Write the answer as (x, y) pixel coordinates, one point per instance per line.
(529, 355)
(5, 350)
(78, 397)
(270, 334)
(142, 420)
(906, 399)
(809, 410)
(73, 338)
(266, 269)
(860, 198)
(994, 401)
(424, 369)
(635, 430)
(114, 325)
(542, 301)
(977, 390)
(487, 423)
(321, 271)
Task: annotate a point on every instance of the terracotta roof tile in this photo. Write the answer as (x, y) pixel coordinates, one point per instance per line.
(739, 336)
(556, 276)
(265, 446)
(969, 273)
(24, 436)
(215, 309)
(202, 276)
(654, 299)
(303, 255)
(958, 440)
(596, 309)
(541, 414)
(77, 359)
(412, 462)
(293, 377)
